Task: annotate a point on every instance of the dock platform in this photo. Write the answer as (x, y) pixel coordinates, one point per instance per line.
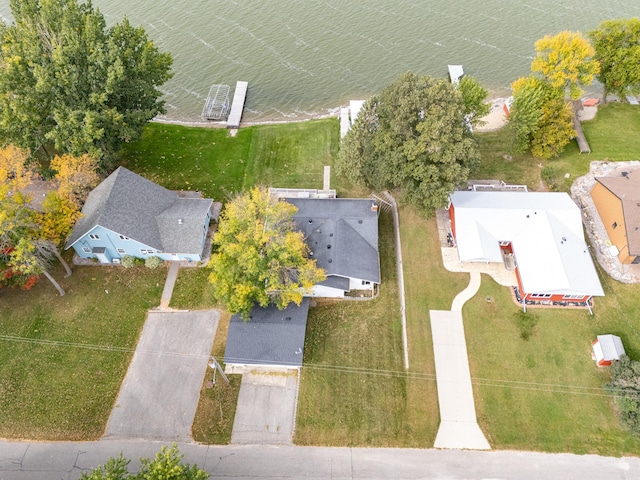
(237, 106)
(456, 72)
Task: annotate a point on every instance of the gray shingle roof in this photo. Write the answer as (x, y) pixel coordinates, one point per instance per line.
(131, 205)
(342, 233)
(271, 337)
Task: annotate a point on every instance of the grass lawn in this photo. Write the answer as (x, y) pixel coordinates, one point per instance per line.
(208, 159)
(61, 379)
(545, 393)
(614, 135)
(353, 389)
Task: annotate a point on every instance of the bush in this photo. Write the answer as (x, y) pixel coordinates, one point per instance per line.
(128, 261)
(153, 262)
(625, 386)
(526, 323)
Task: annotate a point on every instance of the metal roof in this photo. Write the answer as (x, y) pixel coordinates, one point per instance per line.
(545, 230)
(270, 337)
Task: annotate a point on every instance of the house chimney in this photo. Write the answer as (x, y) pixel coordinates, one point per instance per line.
(374, 207)
(326, 184)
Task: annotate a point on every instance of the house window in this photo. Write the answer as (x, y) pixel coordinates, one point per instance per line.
(572, 297)
(86, 249)
(541, 295)
(123, 237)
(144, 251)
(615, 224)
(121, 251)
(364, 282)
(93, 236)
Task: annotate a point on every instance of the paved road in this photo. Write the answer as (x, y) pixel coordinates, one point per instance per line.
(39, 461)
(159, 395)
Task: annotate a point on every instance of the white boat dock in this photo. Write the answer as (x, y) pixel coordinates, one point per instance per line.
(344, 121)
(237, 106)
(455, 73)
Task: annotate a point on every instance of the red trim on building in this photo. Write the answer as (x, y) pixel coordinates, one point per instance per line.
(452, 216)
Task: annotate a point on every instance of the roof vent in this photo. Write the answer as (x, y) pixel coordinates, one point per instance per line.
(331, 234)
(288, 319)
(330, 261)
(179, 221)
(310, 221)
(359, 221)
(328, 247)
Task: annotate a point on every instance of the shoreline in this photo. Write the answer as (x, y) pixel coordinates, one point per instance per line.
(495, 120)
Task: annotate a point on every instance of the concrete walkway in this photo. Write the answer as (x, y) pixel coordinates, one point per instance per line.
(468, 293)
(458, 424)
(169, 284)
(266, 409)
(159, 395)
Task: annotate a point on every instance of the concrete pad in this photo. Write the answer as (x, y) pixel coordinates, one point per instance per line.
(455, 395)
(160, 392)
(266, 409)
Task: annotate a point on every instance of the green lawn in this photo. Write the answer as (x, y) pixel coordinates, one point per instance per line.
(613, 135)
(545, 393)
(353, 389)
(208, 159)
(59, 381)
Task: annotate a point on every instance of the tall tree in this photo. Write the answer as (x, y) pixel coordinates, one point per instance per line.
(474, 96)
(260, 257)
(413, 136)
(617, 51)
(566, 61)
(67, 80)
(540, 117)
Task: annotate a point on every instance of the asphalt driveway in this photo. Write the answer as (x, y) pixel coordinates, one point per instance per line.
(159, 395)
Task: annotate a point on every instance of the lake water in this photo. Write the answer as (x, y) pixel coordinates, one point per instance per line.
(305, 57)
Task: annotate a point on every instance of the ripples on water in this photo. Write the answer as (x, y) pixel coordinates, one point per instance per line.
(305, 57)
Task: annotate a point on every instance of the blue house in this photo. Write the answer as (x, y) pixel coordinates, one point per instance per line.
(129, 215)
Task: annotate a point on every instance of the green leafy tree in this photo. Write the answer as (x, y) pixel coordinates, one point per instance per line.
(413, 136)
(540, 118)
(167, 465)
(260, 257)
(474, 96)
(566, 61)
(625, 386)
(617, 51)
(67, 80)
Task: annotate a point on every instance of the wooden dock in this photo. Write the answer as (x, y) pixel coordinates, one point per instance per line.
(237, 106)
(581, 140)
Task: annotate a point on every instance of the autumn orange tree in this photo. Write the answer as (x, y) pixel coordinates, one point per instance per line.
(30, 236)
(260, 257)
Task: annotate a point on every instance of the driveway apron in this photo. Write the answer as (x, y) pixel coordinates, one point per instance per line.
(159, 395)
(266, 409)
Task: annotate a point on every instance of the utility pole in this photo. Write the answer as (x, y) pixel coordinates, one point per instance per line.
(213, 363)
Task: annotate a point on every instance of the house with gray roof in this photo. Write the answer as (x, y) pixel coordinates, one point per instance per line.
(342, 235)
(271, 338)
(129, 215)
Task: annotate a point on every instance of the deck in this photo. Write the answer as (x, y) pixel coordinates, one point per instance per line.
(237, 106)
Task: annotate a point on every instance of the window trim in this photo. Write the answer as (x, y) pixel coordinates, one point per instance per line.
(94, 236)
